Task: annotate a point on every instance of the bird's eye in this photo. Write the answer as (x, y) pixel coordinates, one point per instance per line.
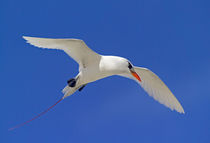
(129, 65)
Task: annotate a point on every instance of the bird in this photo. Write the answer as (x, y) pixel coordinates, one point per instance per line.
(93, 66)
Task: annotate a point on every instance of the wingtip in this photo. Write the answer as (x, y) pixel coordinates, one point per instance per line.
(181, 111)
(25, 37)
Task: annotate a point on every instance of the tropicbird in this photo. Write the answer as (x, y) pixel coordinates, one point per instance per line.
(93, 66)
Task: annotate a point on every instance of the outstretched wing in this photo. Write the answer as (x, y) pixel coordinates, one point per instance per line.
(156, 88)
(75, 48)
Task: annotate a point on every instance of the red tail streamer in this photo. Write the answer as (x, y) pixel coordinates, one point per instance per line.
(42, 113)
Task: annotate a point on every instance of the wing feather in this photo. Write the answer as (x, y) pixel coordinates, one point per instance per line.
(75, 48)
(156, 88)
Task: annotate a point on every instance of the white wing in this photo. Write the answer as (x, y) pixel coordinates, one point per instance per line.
(155, 87)
(75, 48)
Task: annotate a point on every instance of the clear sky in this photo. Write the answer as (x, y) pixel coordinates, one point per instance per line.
(172, 38)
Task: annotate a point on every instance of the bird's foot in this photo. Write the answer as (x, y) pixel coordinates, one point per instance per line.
(80, 89)
(71, 82)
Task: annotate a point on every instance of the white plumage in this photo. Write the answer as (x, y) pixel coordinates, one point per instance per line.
(93, 66)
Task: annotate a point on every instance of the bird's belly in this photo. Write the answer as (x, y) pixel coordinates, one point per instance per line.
(92, 75)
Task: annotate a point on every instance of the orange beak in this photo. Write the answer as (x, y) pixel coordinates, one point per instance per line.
(136, 75)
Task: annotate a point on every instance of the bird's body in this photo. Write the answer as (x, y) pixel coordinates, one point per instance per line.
(93, 66)
(104, 67)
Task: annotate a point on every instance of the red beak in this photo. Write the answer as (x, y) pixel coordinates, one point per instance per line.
(136, 75)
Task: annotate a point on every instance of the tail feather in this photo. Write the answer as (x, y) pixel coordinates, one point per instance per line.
(66, 88)
(67, 91)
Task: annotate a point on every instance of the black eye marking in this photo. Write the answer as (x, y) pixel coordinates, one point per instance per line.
(129, 65)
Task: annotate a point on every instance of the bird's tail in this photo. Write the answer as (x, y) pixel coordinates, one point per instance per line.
(67, 91)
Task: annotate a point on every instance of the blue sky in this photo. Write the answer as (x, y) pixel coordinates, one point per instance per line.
(169, 37)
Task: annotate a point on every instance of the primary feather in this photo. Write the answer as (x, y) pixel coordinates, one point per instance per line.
(156, 88)
(75, 48)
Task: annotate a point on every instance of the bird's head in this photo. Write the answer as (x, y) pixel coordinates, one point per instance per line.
(132, 71)
(118, 65)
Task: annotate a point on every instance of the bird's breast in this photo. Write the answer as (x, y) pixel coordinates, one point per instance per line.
(108, 66)
(91, 74)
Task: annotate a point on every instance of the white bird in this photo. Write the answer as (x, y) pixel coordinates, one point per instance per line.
(93, 66)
